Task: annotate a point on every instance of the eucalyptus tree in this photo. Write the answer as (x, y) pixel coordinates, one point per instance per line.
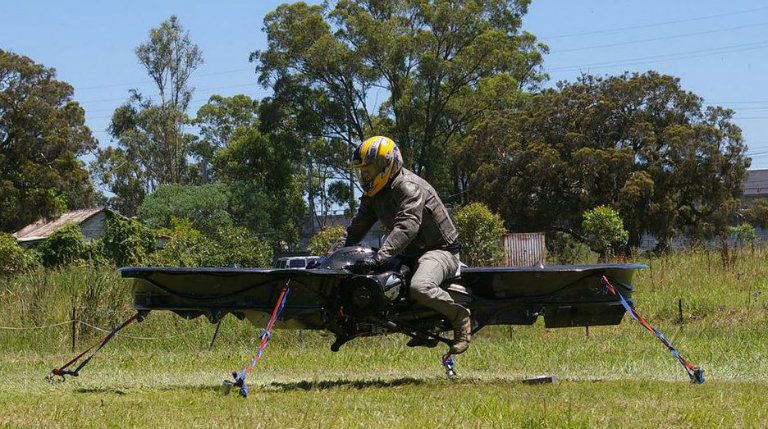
(217, 122)
(152, 144)
(638, 143)
(415, 70)
(42, 134)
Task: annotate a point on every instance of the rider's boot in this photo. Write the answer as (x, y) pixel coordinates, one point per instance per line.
(462, 331)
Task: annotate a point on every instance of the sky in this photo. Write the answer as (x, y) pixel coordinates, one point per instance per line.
(719, 50)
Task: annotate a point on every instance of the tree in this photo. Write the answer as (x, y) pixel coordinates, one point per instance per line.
(152, 146)
(604, 230)
(431, 59)
(636, 142)
(743, 234)
(42, 134)
(206, 206)
(238, 246)
(319, 160)
(186, 247)
(218, 120)
(480, 232)
(265, 194)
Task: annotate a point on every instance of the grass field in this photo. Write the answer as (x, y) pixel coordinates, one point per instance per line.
(616, 377)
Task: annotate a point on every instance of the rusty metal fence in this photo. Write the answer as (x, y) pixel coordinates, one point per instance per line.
(524, 249)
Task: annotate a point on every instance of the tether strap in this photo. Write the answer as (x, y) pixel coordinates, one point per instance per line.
(63, 371)
(265, 337)
(695, 373)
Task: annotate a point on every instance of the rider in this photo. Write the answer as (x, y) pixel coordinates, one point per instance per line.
(419, 227)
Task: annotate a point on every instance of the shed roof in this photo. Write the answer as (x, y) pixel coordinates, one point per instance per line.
(44, 227)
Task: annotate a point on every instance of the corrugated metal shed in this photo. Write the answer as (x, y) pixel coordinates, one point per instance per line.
(755, 185)
(41, 229)
(524, 249)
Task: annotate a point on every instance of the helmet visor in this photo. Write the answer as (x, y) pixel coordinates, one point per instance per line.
(365, 175)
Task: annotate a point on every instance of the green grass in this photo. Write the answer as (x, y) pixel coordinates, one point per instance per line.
(618, 376)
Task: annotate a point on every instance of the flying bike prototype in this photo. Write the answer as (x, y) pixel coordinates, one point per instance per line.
(339, 296)
(335, 297)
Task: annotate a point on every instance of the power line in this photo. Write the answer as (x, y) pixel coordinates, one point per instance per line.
(196, 99)
(655, 39)
(742, 109)
(111, 85)
(740, 102)
(658, 24)
(670, 57)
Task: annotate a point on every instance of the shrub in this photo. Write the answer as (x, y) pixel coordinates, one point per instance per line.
(126, 241)
(236, 245)
(604, 229)
(186, 246)
(98, 255)
(567, 250)
(743, 234)
(480, 232)
(231, 245)
(324, 239)
(757, 213)
(13, 258)
(64, 246)
(204, 205)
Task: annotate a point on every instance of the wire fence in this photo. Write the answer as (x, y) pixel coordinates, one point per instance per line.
(32, 328)
(98, 328)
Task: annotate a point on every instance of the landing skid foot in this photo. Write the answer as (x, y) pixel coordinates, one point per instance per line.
(340, 341)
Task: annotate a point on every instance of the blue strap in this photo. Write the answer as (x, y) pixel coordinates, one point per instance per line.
(264, 337)
(695, 373)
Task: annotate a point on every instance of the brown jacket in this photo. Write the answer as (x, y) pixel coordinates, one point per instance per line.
(410, 209)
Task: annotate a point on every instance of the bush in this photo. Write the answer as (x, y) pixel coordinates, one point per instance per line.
(126, 241)
(204, 205)
(604, 229)
(236, 245)
(323, 240)
(480, 232)
(567, 250)
(98, 255)
(13, 258)
(231, 245)
(757, 213)
(186, 246)
(743, 234)
(64, 246)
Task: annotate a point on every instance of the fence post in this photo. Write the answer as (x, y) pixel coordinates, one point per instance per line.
(215, 333)
(680, 311)
(74, 328)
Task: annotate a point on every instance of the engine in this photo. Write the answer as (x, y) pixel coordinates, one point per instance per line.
(372, 294)
(365, 295)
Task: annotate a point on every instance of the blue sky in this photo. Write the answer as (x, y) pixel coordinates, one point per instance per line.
(718, 49)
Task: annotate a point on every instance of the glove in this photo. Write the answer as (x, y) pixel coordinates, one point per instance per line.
(367, 265)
